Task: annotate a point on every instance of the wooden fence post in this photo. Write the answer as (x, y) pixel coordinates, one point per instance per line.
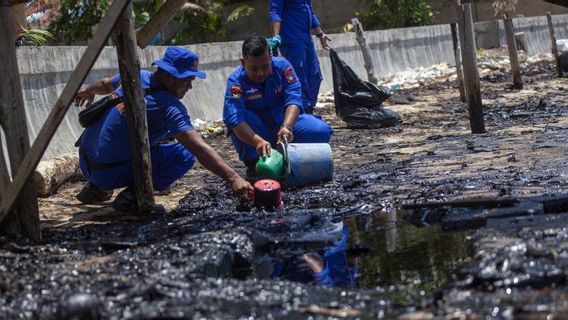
(457, 57)
(553, 44)
(24, 220)
(513, 53)
(166, 12)
(129, 66)
(33, 156)
(360, 37)
(470, 71)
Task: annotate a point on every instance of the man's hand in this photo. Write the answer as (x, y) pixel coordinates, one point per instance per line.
(83, 96)
(323, 40)
(241, 186)
(262, 147)
(285, 133)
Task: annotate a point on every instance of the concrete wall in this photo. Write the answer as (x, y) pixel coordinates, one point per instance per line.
(45, 70)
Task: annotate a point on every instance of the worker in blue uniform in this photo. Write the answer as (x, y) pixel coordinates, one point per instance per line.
(292, 23)
(104, 151)
(263, 105)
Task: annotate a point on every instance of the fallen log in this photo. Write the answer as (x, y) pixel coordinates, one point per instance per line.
(51, 174)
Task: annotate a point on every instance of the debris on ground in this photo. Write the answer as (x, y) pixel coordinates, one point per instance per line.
(212, 255)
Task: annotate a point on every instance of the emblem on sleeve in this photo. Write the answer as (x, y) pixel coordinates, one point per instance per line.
(289, 75)
(236, 92)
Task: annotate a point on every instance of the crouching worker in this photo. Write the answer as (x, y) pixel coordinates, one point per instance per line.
(263, 105)
(104, 151)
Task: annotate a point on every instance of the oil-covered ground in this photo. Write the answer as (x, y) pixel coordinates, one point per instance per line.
(342, 249)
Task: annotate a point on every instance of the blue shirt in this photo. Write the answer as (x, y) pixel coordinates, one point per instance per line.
(107, 140)
(268, 100)
(297, 19)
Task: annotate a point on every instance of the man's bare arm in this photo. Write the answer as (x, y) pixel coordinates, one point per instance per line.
(211, 160)
(100, 87)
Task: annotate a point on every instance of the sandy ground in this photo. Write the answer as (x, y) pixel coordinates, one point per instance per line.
(431, 156)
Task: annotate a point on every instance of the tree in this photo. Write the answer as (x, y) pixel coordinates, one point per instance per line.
(202, 20)
(76, 20)
(205, 20)
(386, 14)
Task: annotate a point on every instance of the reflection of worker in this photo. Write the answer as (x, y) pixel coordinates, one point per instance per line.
(292, 22)
(263, 105)
(331, 269)
(105, 153)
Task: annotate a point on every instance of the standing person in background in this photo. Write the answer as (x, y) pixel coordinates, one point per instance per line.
(292, 22)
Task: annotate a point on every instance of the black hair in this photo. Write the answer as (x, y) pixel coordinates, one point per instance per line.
(255, 46)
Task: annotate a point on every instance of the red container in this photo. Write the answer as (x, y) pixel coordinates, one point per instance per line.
(267, 193)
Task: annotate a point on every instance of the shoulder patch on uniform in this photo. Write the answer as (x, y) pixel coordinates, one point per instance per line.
(289, 75)
(236, 91)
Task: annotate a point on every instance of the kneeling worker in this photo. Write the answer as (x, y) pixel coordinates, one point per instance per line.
(104, 152)
(263, 105)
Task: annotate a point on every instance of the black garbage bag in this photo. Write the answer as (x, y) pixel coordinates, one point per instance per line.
(359, 102)
(564, 61)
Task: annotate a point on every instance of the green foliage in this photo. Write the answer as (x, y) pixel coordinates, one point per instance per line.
(504, 8)
(143, 11)
(202, 20)
(385, 14)
(240, 11)
(76, 20)
(205, 21)
(36, 37)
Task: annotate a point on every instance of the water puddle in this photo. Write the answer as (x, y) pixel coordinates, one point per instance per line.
(378, 250)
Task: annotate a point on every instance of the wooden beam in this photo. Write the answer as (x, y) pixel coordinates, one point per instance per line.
(57, 114)
(470, 71)
(367, 58)
(554, 46)
(160, 19)
(513, 53)
(458, 61)
(129, 66)
(24, 220)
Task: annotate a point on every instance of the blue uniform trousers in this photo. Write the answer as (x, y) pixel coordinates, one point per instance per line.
(308, 129)
(169, 163)
(302, 56)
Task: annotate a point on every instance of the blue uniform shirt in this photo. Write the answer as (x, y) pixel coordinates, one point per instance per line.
(268, 100)
(107, 140)
(297, 19)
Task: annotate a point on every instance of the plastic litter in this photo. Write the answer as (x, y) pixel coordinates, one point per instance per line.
(359, 102)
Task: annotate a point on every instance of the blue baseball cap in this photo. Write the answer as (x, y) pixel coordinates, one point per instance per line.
(180, 63)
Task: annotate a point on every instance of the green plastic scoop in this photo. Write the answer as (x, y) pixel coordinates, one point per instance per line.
(271, 167)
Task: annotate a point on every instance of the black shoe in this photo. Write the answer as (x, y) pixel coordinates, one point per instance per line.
(91, 194)
(125, 201)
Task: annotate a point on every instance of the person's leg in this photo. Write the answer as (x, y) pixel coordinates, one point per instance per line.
(170, 162)
(314, 78)
(311, 129)
(246, 152)
(295, 53)
(91, 193)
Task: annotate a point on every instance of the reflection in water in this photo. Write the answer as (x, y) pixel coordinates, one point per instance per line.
(330, 267)
(374, 250)
(418, 258)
